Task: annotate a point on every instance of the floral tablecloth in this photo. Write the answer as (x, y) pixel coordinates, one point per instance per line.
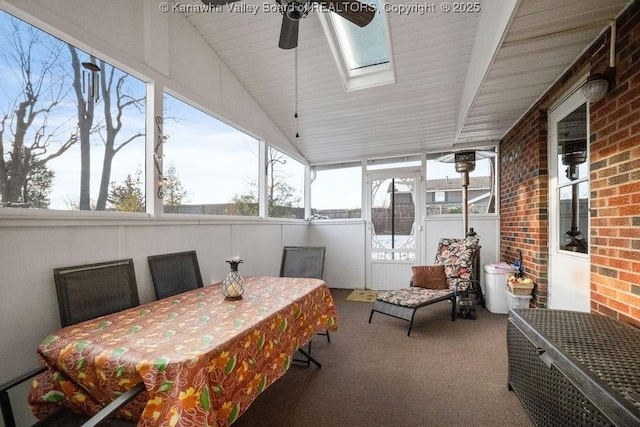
(203, 359)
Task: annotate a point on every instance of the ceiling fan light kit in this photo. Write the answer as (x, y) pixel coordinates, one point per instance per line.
(361, 14)
(295, 9)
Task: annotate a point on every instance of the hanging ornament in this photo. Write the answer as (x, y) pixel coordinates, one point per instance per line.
(90, 81)
(296, 90)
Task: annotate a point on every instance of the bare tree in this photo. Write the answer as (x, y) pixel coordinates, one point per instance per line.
(85, 122)
(26, 139)
(115, 100)
(282, 198)
(113, 123)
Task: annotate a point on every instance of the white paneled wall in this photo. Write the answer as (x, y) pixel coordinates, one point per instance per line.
(31, 248)
(345, 256)
(29, 253)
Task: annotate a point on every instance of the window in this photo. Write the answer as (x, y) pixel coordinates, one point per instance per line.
(336, 191)
(72, 128)
(573, 181)
(363, 54)
(209, 167)
(444, 185)
(285, 185)
(393, 215)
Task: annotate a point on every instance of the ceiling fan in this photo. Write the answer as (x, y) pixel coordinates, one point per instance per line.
(292, 11)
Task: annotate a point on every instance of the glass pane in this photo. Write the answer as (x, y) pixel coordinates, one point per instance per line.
(285, 185)
(74, 127)
(572, 146)
(363, 46)
(209, 166)
(444, 185)
(574, 217)
(393, 219)
(336, 193)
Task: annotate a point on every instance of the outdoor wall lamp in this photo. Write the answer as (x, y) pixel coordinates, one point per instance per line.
(596, 86)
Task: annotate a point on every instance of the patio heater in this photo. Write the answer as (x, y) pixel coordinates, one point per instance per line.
(465, 162)
(573, 155)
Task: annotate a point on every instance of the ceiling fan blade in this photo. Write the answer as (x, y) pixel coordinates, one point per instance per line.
(352, 10)
(218, 2)
(288, 33)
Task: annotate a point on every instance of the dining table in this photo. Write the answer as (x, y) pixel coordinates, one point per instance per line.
(203, 358)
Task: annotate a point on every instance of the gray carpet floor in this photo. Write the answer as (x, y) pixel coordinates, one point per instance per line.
(446, 374)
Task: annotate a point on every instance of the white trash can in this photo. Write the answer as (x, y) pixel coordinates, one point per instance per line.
(495, 286)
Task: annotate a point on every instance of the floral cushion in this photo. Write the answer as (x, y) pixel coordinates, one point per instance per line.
(457, 257)
(413, 296)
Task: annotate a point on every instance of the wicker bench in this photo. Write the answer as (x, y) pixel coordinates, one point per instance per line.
(570, 368)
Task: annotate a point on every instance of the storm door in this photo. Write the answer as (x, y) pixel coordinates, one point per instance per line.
(393, 233)
(569, 274)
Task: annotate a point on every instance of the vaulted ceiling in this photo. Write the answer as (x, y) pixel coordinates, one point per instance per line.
(461, 78)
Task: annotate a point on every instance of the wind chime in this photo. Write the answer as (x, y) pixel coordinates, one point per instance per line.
(295, 115)
(90, 81)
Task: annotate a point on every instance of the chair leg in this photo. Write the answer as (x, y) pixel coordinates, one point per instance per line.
(7, 412)
(307, 355)
(454, 303)
(310, 358)
(411, 323)
(326, 334)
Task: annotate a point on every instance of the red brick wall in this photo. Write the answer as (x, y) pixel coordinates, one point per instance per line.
(615, 180)
(523, 199)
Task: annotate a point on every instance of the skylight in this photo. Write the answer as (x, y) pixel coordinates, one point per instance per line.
(363, 55)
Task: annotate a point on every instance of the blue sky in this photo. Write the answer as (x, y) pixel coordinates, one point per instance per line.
(214, 161)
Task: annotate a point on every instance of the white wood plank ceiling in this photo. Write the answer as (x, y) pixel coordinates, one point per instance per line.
(452, 85)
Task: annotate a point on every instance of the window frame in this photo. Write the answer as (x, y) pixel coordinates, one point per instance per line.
(55, 33)
(364, 77)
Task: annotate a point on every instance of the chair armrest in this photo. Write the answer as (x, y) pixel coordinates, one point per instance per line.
(106, 413)
(22, 378)
(100, 419)
(5, 402)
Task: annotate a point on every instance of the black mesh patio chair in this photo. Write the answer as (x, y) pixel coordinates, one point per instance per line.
(93, 290)
(305, 262)
(174, 273)
(85, 292)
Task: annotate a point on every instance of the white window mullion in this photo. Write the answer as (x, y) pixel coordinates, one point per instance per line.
(263, 203)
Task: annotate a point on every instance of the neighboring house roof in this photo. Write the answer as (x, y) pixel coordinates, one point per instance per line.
(447, 183)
